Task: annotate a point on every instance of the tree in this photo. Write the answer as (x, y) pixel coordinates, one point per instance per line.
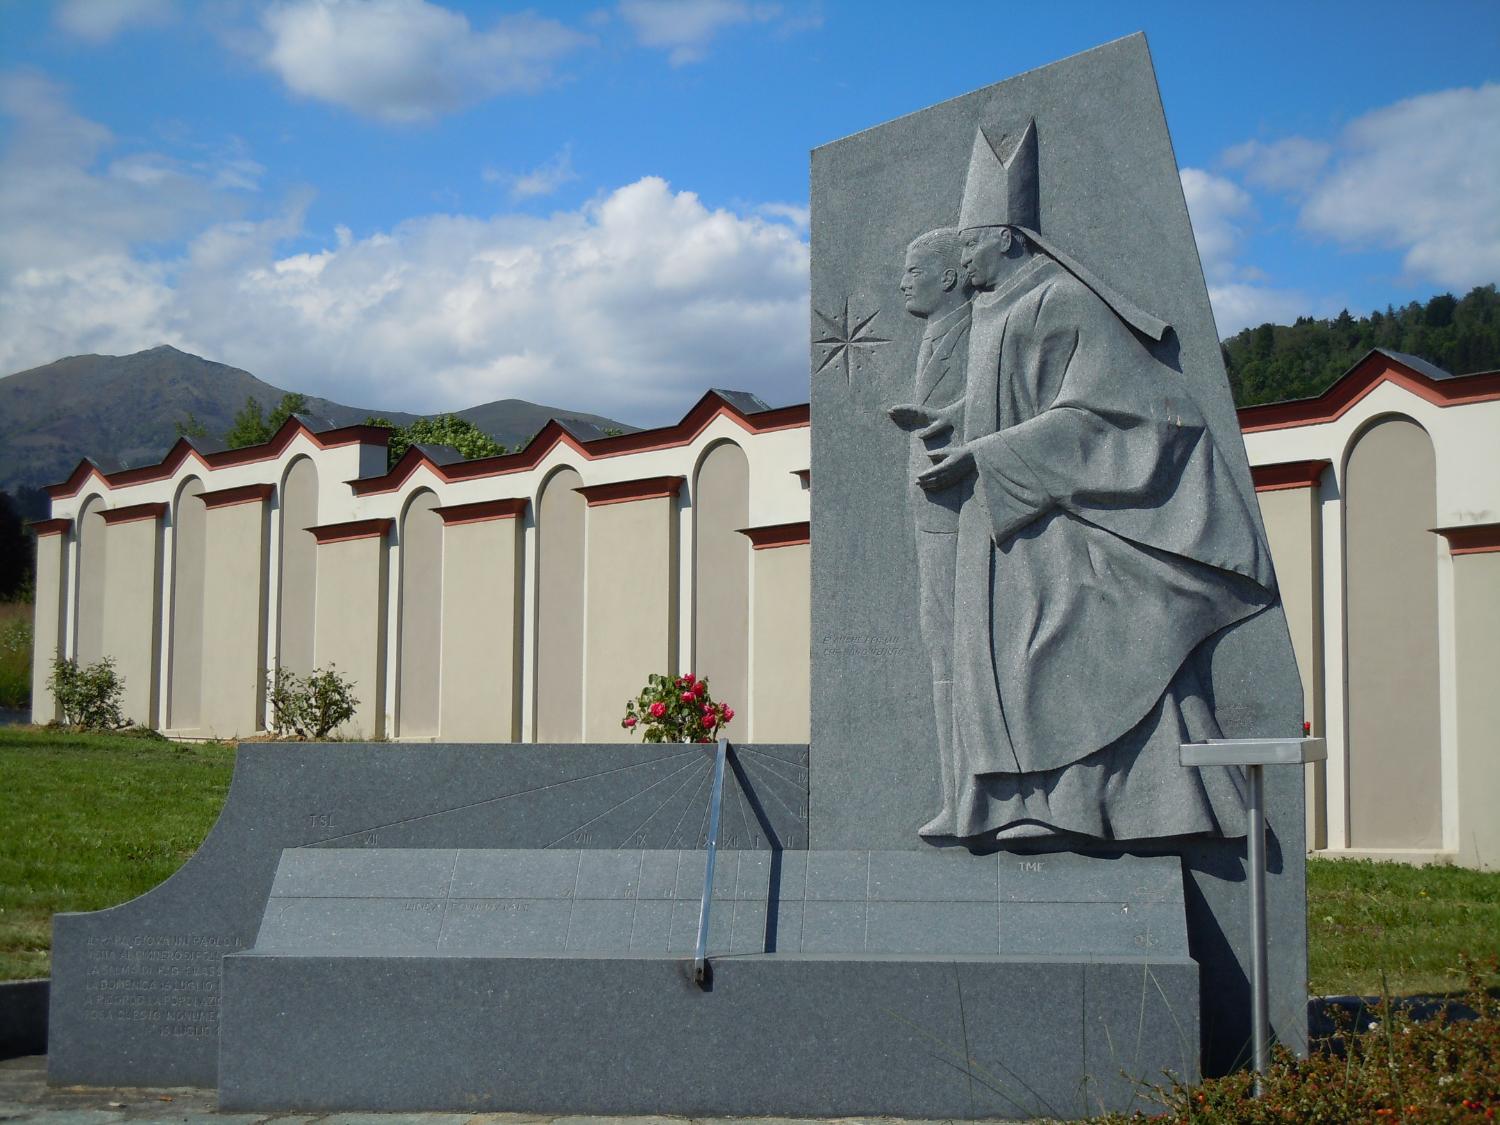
(1272, 362)
(445, 429)
(252, 427)
(190, 427)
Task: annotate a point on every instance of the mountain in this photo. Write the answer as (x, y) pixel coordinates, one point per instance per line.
(122, 410)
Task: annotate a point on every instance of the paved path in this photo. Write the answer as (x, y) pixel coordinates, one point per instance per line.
(26, 1097)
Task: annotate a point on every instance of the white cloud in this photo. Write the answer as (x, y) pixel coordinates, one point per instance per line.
(100, 20)
(1422, 177)
(797, 214)
(544, 179)
(631, 305)
(1220, 210)
(59, 211)
(407, 60)
(1288, 165)
(684, 28)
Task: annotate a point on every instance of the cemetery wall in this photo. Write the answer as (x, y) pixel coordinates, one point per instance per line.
(1381, 500)
(521, 599)
(518, 598)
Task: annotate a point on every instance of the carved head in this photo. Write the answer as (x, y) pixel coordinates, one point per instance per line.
(932, 282)
(987, 254)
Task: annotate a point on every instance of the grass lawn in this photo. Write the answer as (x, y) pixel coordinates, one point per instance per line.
(15, 654)
(91, 821)
(1411, 923)
(88, 821)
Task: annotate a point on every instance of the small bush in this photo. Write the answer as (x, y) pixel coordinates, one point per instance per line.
(1391, 1068)
(89, 697)
(310, 706)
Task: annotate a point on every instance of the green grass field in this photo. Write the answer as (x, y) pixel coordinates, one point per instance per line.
(15, 654)
(90, 821)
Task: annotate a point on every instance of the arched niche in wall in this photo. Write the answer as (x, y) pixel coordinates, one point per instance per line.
(1390, 590)
(560, 522)
(721, 575)
(298, 568)
(88, 630)
(185, 657)
(420, 635)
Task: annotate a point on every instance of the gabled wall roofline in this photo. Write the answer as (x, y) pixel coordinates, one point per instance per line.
(711, 406)
(184, 450)
(1375, 368)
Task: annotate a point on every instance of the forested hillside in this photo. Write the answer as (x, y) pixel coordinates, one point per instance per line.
(1276, 362)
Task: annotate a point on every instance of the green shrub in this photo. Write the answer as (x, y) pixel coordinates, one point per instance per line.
(15, 662)
(310, 706)
(89, 697)
(1391, 1068)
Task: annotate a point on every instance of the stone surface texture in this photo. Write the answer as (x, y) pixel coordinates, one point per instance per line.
(135, 989)
(841, 982)
(789, 1034)
(1109, 193)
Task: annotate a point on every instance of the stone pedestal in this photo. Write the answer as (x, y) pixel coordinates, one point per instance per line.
(893, 983)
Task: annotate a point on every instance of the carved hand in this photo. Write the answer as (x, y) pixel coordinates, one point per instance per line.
(950, 465)
(933, 420)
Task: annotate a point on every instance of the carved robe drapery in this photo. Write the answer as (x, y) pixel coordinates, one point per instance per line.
(1102, 544)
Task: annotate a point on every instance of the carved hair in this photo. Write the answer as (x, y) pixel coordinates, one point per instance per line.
(944, 242)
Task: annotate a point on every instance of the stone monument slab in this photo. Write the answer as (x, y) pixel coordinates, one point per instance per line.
(1038, 565)
(135, 989)
(907, 983)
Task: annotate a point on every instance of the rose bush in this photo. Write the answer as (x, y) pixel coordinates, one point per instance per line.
(676, 709)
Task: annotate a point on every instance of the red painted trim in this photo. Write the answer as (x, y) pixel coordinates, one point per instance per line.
(245, 494)
(51, 527)
(250, 454)
(623, 491)
(453, 515)
(1358, 382)
(693, 423)
(133, 512)
(1471, 538)
(778, 535)
(1287, 474)
(354, 529)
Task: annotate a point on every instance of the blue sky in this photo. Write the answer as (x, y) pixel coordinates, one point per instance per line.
(407, 204)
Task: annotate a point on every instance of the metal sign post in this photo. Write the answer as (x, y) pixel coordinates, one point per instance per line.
(1255, 754)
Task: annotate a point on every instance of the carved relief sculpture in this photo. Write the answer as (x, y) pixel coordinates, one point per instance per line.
(1095, 540)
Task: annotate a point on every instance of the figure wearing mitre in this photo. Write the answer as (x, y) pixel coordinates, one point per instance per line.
(1102, 545)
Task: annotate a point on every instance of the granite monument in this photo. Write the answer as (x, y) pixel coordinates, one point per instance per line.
(988, 888)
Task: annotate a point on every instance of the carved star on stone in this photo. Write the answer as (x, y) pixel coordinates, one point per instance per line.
(844, 338)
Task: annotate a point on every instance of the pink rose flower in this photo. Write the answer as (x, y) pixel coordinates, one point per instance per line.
(688, 697)
(710, 720)
(658, 709)
(700, 687)
(686, 680)
(728, 713)
(628, 722)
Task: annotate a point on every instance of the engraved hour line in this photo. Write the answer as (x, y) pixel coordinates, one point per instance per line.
(677, 828)
(620, 804)
(770, 791)
(751, 833)
(772, 764)
(792, 781)
(447, 899)
(573, 901)
(795, 760)
(640, 829)
(497, 800)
